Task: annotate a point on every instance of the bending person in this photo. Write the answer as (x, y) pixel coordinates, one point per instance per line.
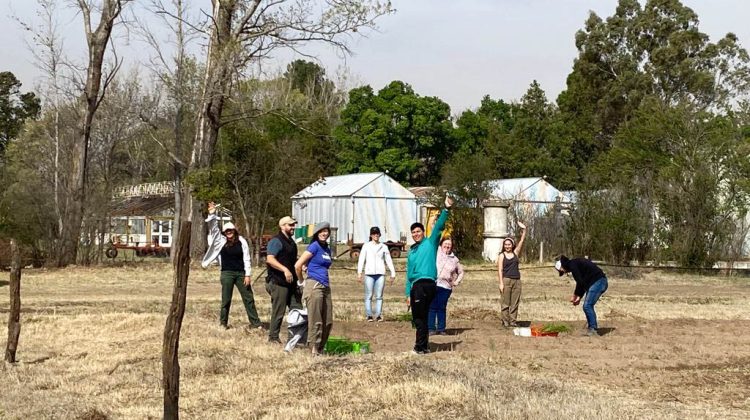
(591, 281)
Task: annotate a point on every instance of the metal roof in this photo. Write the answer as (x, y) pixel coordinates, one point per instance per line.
(375, 184)
(142, 206)
(526, 189)
(422, 192)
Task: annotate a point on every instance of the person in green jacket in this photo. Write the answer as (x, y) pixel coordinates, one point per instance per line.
(421, 274)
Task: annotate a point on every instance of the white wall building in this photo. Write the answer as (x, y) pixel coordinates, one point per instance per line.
(354, 203)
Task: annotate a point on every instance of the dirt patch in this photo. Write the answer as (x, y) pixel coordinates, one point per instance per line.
(681, 360)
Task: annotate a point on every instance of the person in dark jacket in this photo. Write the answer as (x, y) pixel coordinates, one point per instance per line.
(590, 281)
(281, 282)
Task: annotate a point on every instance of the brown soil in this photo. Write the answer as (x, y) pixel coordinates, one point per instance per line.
(682, 360)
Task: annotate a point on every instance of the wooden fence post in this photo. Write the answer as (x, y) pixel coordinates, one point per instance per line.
(171, 346)
(14, 315)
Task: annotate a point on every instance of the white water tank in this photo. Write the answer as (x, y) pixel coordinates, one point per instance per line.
(495, 228)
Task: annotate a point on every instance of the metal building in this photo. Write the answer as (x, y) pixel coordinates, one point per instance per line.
(535, 195)
(353, 203)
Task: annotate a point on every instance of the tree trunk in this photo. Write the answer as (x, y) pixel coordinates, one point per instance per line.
(171, 346)
(176, 221)
(97, 40)
(14, 315)
(216, 84)
(198, 243)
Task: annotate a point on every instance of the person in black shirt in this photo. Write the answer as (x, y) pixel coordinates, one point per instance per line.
(590, 281)
(233, 254)
(510, 279)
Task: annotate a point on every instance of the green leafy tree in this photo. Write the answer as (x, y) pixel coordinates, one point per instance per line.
(15, 108)
(492, 118)
(465, 176)
(691, 165)
(26, 204)
(524, 139)
(395, 130)
(640, 51)
(279, 143)
(309, 78)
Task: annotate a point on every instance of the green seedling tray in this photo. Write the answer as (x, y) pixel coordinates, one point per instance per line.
(341, 345)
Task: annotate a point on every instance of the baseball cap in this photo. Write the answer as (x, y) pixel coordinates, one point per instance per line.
(287, 220)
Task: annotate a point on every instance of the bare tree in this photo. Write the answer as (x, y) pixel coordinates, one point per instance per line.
(14, 314)
(174, 72)
(96, 83)
(47, 47)
(117, 129)
(240, 33)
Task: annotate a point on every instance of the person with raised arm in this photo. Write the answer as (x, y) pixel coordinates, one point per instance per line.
(510, 279)
(233, 253)
(421, 275)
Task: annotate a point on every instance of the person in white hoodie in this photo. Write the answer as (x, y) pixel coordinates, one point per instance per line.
(233, 254)
(372, 261)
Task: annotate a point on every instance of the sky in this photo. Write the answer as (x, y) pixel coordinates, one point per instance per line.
(456, 50)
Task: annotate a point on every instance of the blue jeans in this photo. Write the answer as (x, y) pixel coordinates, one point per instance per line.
(436, 317)
(374, 283)
(592, 296)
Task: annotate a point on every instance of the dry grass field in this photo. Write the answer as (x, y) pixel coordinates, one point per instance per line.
(676, 346)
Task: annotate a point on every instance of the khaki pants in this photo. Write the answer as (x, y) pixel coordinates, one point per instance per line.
(511, 300)
(317, 298)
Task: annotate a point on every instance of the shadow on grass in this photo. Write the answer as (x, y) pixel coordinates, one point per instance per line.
(4, 283)
(605, 331)
(451, 346)
(37, 361)
(456, 331)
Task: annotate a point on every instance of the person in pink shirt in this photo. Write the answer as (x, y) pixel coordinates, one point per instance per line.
(450, 274)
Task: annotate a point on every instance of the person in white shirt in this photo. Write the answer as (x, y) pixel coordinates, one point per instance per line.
(372, 261)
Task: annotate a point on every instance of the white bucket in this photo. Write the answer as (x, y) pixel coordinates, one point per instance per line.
(522, 331)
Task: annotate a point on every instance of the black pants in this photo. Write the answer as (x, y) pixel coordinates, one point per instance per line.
(422, 293)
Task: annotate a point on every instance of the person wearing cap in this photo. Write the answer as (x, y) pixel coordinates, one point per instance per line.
(590, 281)
(421, 274)
(317, 289)
(233, 254)
(510, 279)
(281, 282)
(373, 258)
